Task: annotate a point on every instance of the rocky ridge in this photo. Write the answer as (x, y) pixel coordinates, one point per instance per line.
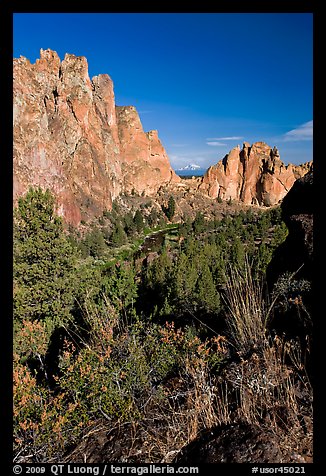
(254, 175)
(70, 137)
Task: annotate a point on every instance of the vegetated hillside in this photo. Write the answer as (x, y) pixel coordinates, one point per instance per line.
(129, 348)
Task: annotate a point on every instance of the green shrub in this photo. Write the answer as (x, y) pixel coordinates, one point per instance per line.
(116, 375)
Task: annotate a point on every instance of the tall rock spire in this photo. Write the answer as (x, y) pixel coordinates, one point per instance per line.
(70, 137)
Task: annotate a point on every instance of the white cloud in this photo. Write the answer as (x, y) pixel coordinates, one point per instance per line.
(215, 143)
(303, 132)
(224, 138)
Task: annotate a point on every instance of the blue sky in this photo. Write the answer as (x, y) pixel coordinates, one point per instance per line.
(207, 82)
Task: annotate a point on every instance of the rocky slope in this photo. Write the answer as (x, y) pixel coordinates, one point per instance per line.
(70, 137)
(253, 175)
(293, 314)
(296, 253)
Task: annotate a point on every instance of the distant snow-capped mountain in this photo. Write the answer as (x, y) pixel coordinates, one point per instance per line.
(190, 167)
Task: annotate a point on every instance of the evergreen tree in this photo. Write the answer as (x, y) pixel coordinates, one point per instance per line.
(128, 224)
(199, 223)
(185, 280)
(156, 285)
(206, 294)
(118, 237)
(279, 235)
(119, 285)
(139, 221)
(95, 243)
(43, 261)
(264, 256)
(170, 210)
(185, 227)
(237, 254)
(153, 217)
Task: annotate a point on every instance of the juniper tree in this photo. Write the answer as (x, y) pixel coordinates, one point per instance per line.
(43, 261)
(95, 243)
(170, 211)
(118, 236)
(139, 221)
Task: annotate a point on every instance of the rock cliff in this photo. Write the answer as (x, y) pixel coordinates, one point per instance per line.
(253, 175)
(145, 161)
(293, 315)
(70, 137)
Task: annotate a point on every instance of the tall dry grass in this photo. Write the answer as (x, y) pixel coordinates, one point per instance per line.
(270, 379)
(246, 319)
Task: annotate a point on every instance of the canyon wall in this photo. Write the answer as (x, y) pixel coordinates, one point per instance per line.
(70, 137)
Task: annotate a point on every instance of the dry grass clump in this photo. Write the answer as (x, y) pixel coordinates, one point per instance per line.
(272, 387)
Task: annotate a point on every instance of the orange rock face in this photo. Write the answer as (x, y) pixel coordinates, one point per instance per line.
(144, 158)
(71, 138)
(253, 175)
